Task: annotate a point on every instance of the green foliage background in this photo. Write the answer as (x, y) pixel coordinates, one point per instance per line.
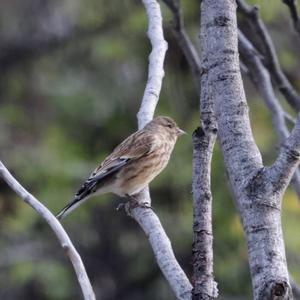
(62, 110)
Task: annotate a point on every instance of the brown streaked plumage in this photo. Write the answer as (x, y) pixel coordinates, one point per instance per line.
(133, 164)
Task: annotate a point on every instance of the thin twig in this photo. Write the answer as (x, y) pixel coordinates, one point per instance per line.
(288, 160)
(260, 31)
(289, 118)
(262, 80)
(184, 41)
(292, 5)
(57, 228)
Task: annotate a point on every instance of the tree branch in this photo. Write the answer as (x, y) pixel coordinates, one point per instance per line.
(261, 78)
(292, 5)
(203, 140)
(288, 160)
(156, 63)
(57, 228)
(269, 53)
(204, 285)
(146, 218)
(184, 41)
(161, 247)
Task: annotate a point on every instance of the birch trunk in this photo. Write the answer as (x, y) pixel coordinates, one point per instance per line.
(257, 192)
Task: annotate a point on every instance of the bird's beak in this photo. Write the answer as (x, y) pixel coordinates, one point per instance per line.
(180, 132)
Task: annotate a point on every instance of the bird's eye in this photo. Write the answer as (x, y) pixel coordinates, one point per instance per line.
(169, 125)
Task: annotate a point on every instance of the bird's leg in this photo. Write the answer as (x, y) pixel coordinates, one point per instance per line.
(125, 205)
(135, 203)
(132, 203)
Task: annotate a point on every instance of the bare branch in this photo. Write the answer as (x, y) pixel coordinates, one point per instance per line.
(269, 53)
(156, 62)
(146, 218)
(57, 228)
(261, 79)
(204, 285)
(184, 41)
(161, 246)
(292, 5)
(203, 140)
(243, 67)
(289, 118)
(288, 160)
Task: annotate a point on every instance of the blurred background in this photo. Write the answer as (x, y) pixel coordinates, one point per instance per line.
(71, 81)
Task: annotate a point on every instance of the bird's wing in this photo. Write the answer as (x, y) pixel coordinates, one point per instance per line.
(135, 146)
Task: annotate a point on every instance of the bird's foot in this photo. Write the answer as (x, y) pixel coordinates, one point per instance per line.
(133, 203)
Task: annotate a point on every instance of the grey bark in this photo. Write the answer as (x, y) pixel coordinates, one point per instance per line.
(204, 285)
(204, 138)
(161, 247)
(258, 190)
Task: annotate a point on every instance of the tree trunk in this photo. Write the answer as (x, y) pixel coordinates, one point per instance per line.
(257, 195)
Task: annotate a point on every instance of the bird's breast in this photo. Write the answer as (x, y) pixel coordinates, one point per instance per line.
(140, 172)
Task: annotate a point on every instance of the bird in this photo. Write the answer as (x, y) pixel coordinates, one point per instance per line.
(132, 165)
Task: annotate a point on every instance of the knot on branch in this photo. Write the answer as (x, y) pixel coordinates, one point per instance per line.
(221, 21)
(203, 71)
(209, 123)
(204, 133)
(276, 290)
(198, 227)
(198, 134)
(66, 248)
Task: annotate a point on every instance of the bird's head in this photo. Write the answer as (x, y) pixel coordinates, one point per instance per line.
(165, 125)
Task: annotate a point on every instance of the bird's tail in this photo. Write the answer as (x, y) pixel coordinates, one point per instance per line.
(81, 196)
(70, 207)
